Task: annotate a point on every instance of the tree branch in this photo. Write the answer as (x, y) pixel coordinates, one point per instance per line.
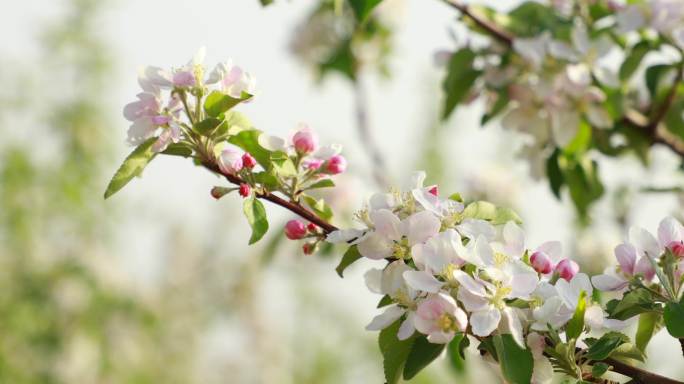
(293, 207)
(493, 29)
(638, 374)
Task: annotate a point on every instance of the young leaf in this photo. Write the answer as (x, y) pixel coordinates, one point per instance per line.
(348, 259)
(248, 141)
(456, 352)
(599, 369)
(385, 301)
(516, 363)
(633, 59)
(634, 302)
(576, 324)
(207, 126)
(256, 216)
(217, 103)
(648, 326)
(132, 166)
(324, 183)
(319, 207)
(603, 347)
(674, 319)
(422, 354)
(460, 78)
(178, 149)
(363, 8)
(394, 352)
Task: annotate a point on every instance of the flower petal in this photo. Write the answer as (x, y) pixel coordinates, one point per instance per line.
(385, 319)
(375, 246)
(422, 281)
(644, 242)
(483, 323)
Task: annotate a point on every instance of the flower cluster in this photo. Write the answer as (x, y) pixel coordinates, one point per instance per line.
(155, 114)
(452, 270)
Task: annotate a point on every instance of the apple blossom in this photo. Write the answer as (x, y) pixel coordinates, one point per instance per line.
(244, 190)
(439, 317)
(305, 140)
(541, 262)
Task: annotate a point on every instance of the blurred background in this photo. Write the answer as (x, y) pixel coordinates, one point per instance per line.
(157, 284)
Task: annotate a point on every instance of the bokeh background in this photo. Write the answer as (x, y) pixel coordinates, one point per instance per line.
(157, 285)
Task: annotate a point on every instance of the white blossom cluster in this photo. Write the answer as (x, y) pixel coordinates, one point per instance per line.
(449, 273)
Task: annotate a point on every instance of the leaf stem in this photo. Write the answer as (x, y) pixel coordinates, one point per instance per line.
(493, 29)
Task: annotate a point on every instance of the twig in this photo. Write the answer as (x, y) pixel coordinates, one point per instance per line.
(378, 166)
(488, 26)
(266, 195)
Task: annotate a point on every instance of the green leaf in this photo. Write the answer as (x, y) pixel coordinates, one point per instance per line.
(324, 183)
(178, 149)
(460, 78)
(673, 119)
(602, 348)
(132, 166)
(217, 103)
(554, 174)
(485, 210)
(207, 126)
(532, 18)
(363, 8)
(599, 369)
(634, 302)
(456, 352)
(499, 106)
(581, 176)
(248, 141)
(633, 59)
(422, 354)
(284, 167)
(628, 351)
(256, 217)
(341, 60)
(648, 326)
(385, 301)
(516, 363)
(576, 324)
(674, 319)
(394, 352)
(653, 76)
(348, 259)
(319, 207)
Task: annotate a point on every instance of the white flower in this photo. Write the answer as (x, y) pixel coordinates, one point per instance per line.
(617, 278)
(394, 237)
(439, 317)
(438, 256)
(485, 300)
(431, 202)
(390, 282)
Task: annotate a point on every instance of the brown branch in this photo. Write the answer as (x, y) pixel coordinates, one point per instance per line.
(266, 195)
(493, 29)
(638, 374)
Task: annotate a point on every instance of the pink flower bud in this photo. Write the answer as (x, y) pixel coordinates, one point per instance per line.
(434, 190)
(677, 248)
(312, 227)
(230, 161)
(248, 161)
(567, 269)
(312, 163)
(541, 262)
(304, 140)
(184, 79)
(295, 230)
(337, 164)
(244, 190)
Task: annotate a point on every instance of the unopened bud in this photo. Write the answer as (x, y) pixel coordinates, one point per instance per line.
(295, 230)
(311, 227)
(677, 248)
(336, 164)
(567, 269)
(219, 192)
(248, 161)
(541, 262)
(244, 190)
(434, 190)
(304, 140)
(308, 248)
